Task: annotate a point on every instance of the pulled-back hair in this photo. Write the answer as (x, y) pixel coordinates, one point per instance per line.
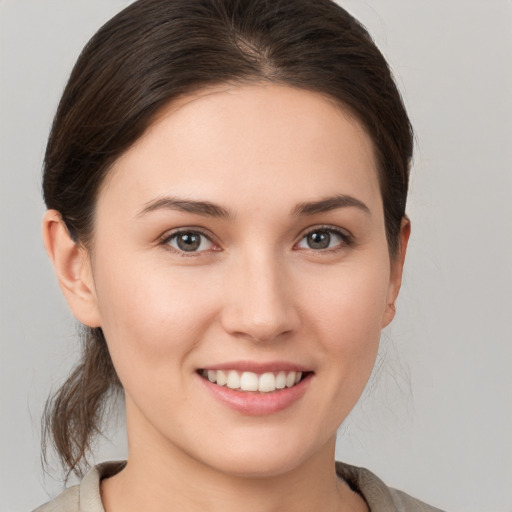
(155, 51)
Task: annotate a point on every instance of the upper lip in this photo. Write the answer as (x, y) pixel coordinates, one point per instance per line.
(258, 367)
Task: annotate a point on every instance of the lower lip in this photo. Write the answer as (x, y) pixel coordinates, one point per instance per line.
(253, 403)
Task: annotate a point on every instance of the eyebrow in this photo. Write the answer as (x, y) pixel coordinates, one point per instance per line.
(209, 209)
(328, 204)
(198, 207)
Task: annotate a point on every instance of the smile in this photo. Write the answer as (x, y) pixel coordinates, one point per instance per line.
(267, 382)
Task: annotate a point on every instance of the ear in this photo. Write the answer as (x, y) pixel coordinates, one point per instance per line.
(397, 267)
(73, 268)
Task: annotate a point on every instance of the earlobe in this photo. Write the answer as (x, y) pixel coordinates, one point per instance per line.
(397, 267)
(73, 269)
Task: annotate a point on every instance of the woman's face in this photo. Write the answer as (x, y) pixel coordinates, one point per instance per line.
(239, 242)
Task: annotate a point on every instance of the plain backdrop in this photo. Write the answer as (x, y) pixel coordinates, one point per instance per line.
(436, 420)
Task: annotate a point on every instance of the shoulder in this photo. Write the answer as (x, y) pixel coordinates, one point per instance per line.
(86, 496)
(378, 495)
(67, 501)
(405, 502)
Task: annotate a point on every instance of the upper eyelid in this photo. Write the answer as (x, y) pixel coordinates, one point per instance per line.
(325, 227)
(347, 239)
(168, 235)
(192, 229)
(165, 239)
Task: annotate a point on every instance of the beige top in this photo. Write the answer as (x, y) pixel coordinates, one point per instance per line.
(380, 498)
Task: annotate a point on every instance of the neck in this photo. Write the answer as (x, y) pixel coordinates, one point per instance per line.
(153, 485)
(161, 477)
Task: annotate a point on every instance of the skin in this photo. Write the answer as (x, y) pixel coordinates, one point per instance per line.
(254, 292)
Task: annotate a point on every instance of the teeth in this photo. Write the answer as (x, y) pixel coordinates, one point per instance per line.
(221, 378)
(267, 383)
(233, 380)
(281, 380)
(249, 381)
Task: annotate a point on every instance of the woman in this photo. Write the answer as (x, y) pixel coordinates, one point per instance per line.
(226, 185)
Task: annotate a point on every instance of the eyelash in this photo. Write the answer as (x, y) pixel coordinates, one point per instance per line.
(167, 238)
(346, 239)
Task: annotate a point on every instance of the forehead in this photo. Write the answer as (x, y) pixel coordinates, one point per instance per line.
(237, 144)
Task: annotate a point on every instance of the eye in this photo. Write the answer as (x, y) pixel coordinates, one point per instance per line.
(322, 239)
(189, 241)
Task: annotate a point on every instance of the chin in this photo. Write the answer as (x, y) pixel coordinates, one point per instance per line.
(264, 456)
(262, 465)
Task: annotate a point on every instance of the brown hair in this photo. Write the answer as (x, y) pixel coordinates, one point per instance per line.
(157, 50)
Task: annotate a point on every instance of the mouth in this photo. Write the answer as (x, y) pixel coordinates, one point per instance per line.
(257, 389)
(247, 381)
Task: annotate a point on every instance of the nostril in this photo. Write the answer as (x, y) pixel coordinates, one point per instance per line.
(261, 310)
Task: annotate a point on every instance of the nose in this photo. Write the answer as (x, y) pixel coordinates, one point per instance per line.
(259, 300)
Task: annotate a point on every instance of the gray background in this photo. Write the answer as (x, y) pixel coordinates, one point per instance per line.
(437, 419)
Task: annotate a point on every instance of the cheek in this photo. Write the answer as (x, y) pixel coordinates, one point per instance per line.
(352, 301)
(148, 313)
(347, 314)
